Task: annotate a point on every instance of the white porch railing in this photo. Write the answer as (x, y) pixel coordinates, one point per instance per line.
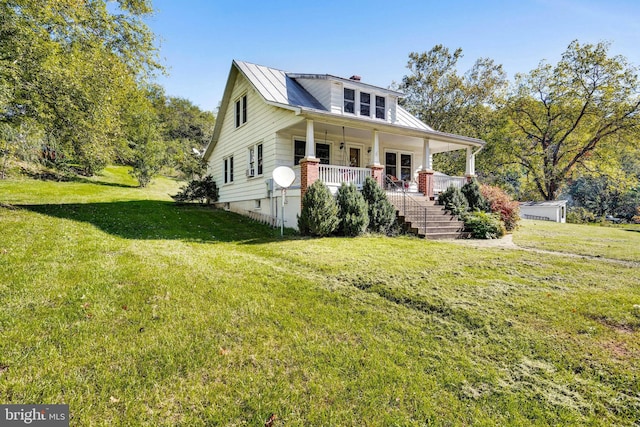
(335, 175)
(441, 182)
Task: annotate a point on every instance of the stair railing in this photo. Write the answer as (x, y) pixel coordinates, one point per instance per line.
(412, 209)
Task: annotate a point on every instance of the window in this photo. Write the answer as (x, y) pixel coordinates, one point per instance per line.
(298, 151)
(323, 152)
(380, 107)
(390, 162)
(406, 173)
(255, 160)
(257, 203)
(228, 169)
(365, 104)
(241, 111)
(349, 101)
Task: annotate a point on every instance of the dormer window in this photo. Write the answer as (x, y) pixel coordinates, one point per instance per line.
(349, 101)
(365, 104)
(381, 107)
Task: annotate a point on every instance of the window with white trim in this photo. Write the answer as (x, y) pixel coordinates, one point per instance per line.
(380, 107)
(228, 169)
(254, 166)
(241, 111)
(365, 104)
(323, 152)
(349, 100)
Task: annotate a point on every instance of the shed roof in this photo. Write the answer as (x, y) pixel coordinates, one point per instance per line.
(547, 203)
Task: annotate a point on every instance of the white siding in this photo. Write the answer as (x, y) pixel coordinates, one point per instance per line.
(263, 121)
(337, 96)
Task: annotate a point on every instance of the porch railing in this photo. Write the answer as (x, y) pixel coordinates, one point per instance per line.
(441, 182)
(336, 175)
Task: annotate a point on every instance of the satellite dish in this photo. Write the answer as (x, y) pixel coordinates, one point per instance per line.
(284, 176)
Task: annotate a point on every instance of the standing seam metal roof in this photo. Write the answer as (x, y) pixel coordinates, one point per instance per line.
(278, 87)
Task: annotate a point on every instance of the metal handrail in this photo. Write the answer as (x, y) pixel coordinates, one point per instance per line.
(402, 200)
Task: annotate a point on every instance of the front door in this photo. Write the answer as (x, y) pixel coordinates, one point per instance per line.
(354, 157)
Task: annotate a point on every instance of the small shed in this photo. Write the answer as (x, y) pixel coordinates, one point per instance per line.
(555, 210)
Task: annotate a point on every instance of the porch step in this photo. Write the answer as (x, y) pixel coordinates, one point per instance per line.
(439, 224)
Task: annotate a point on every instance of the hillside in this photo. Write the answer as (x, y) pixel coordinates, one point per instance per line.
(138, 311)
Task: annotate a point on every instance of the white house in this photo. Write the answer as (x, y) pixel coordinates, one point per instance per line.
(546, 211)
(324, 127)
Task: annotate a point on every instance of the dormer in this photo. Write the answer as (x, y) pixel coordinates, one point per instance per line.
(350, 97)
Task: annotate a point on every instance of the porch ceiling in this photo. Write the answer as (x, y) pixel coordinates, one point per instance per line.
(334, 132)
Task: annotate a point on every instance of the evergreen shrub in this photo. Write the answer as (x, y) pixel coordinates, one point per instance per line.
(453, 200)
(352, 211)
(382, 214)
(319, 214)
(201, 190)
(475, 200)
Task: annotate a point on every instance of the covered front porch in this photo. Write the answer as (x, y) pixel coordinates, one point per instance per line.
(397, 157)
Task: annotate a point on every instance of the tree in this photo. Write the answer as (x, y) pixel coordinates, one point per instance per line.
(69, 66)
(563, 115)
(449, 102)
(186, 130)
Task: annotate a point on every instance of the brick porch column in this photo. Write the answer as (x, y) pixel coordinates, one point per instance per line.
(309, 173)
(425, 183)
(376, 173)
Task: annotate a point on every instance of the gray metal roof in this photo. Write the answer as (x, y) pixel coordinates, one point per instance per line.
(276, 86)
(280, 87)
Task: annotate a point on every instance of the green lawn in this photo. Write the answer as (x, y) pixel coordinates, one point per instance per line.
(620, 242)
(137, 311)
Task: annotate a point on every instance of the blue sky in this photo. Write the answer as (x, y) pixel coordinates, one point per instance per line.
(198, 39)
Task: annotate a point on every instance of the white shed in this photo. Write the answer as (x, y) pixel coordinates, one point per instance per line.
(546, 211)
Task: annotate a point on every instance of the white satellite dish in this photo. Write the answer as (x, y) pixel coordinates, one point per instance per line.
(284, 176)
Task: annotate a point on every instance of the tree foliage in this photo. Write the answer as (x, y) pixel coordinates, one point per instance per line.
(71, 67)
(563, 115)
(449, 102)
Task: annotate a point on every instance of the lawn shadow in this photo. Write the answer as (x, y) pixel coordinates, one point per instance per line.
(160, 220)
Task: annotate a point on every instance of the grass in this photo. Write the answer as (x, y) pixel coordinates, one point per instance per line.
(137, 311)
(619, 242)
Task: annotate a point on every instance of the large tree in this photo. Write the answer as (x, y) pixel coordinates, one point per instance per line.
(451, 102)
(569, 115)
(70, 66)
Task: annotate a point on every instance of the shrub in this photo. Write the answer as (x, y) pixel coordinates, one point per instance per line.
(453, 201)
(483, 225)
(636, 218)
(202, 190)
(471, 191)
(382, 214)
(319, 214)
(580, 216)
(502, 204)
(352, 211)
